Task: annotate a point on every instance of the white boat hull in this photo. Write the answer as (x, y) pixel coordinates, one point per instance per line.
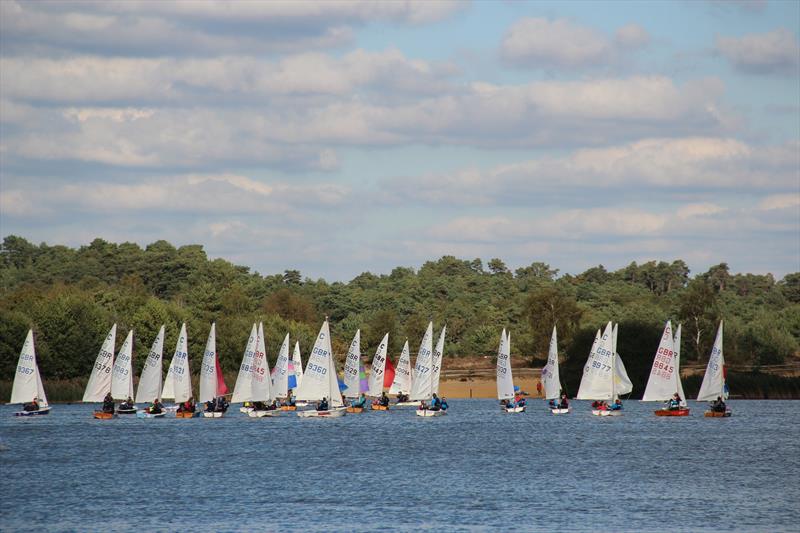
(597, 412)
(407, 404)
(213, 414)
(427, 412)
(245, 410)
(514, 409)
(333, 413)
(38, 412)
(127, 411)
(559, 411)
(301, 404)
(144, 414)
(262, 414)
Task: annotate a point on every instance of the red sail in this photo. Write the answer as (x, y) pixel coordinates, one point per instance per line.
(388, 373)
(222, 389)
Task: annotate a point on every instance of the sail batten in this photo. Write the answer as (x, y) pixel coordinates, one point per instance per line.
(598, 382)
(261, 390)
(663, 380)
(319, 378)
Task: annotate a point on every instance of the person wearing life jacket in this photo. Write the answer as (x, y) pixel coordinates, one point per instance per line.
(32, 406)
(156, 408)
(718, 405)
(402, 397)
(127, 404)
(220, 404)
(383, 400)
(519, 400)
(674, 402)
(564, 403)
(617, 405)
(361, 402)
(211, 405)
(436, 403)
(596, 404)
(601, 406)
(443, 404)
(290, 399)
(323, 405)
(108, 403)
(552, 404)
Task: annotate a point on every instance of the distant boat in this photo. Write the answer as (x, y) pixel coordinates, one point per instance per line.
(178, 383)
(320, 380)
(27, 385)
(151, 379)
(280, 374)
(714, 385)
(377, 373)
(599, 376)
(665, 379)
(261, 385)
(100, 380)
(421, 387)
(212, 381)
(505, 380)
(244, 381)
(297, 372)
(551, 378)
(402, 377)
(352, 368)
(122, 376)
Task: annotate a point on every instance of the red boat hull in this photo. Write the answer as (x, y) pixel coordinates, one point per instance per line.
(675, 412)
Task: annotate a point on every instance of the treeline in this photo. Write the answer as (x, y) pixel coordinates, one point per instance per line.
(70, 297)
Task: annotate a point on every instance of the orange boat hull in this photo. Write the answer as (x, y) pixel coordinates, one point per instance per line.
(102, 415)
(717, 414)
(380, 408)
(674, 412)
(288, 408)
(355, 409)
(184, 414)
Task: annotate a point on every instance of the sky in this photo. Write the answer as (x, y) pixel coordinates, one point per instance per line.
(348, 136)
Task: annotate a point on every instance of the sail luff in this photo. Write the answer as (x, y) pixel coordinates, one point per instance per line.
(178, 383)
(261, 388)
(297, 363)
(280, 376)
(319, 379)
(677, 345)
(598, 382)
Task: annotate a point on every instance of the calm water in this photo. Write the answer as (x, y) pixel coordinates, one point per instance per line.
(475, 469)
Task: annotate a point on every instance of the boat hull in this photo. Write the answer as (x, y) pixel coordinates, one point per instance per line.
(717, 414)
(186, 414)
(355, 409)
(288, 407)
(598, 412)
(380, 407)
(39, 412)
(245, 410)
(127, 411)
(262, 414)
(333, 413)
(514, 409)
(561, 411)
(672, 412)
(102, 415)
(407, 404)
(145, 414)
(213, 414)
(428, 413)
(301, 404)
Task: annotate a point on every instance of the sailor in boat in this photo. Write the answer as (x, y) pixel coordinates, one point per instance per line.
(323, 405)
(443, 404)
(436, 403)
(361, 402)
(108, 403)
(564, 403)
(617, 405)
(155, 408)
(519, 400)
(290, 399)
(674, 403)
(596, 404)
(600, 406)
(187, 406)
(552, 404)
(718, 405)
(220, 404)
(384, 400)
(259, 406)
(127, 404)
(274, 406)
(402, 397)
(32, 406)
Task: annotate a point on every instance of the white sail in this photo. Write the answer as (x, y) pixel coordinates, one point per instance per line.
(421, 386)
(244, 381)
(122, 372)
(261, 390)
(208, 371)
(27, 380)
(351, 367)
(662, 383)
(550, 377)
(402, 373)
(100, 381)
(505, 381)
(678, 366)
(150, 381)
(178, 383)
(714, 380)
(438, 352)
(589, 360)
(297, 363)
(597, 382)
(319, 379)
(378, 370)
(280, 374)
(622, 383)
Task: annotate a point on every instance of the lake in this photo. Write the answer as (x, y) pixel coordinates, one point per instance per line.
(475, 469)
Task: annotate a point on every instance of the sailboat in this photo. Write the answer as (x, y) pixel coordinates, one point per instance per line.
(319, 379)
(100, 380)
(714, 385)
(665, 379)
(551, 378)
(261, 388)
(150, 381)
(281, 375)
(212, 382)
(28, 382)
(352, 372)
(244, 381)
(122, 376)
(599, 377)
(505, 381)
(421, 386)
(178, 383)
(438, 353)
(377, 374)
(402, 377)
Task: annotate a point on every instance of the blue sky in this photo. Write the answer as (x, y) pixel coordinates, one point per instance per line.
(341, 137)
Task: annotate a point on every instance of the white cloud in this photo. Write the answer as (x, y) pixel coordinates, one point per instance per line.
(773, 52)
(562, 43)
(781, 201)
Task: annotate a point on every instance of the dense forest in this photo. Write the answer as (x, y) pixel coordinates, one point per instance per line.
(71, 297)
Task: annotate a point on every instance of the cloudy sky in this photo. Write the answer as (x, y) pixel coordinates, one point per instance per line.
(346, 136)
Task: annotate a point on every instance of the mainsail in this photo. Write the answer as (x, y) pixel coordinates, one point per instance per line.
(242, 390)
(378, 368)
(622, 383)
(402, 373)
(663, 380)
(27, 380)
(150, 381)
(421, 386)
(351, 367)
(505, 381)
(319, 379)
(208, 371)
(178, 383)
(550, 377)
(597, 382)
(297, 363)
(714, 379)
(438, 352)
(100, 381)
(261, 390)
(678, 366)
(280, 374)
(122, 372)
